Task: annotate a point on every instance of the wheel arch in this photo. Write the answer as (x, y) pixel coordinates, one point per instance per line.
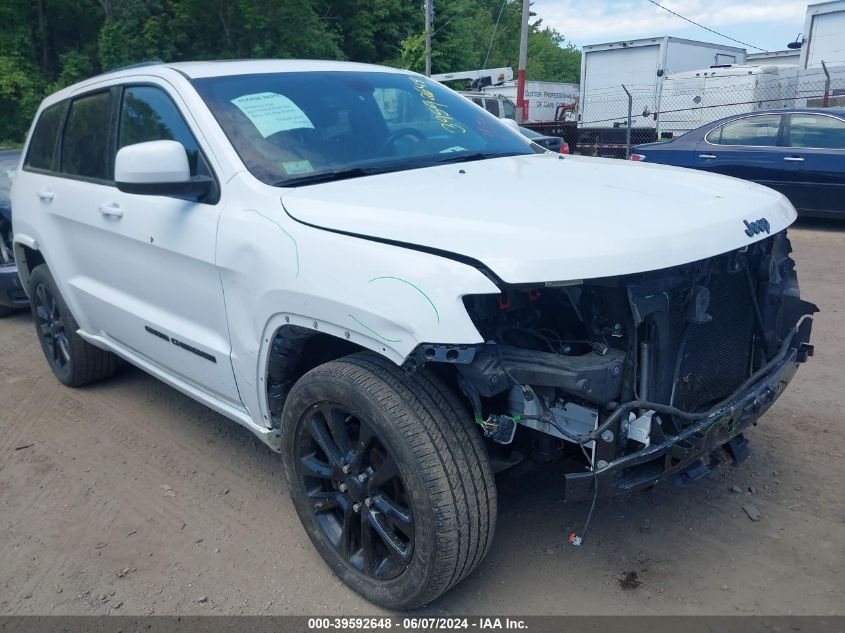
(27, 257)
(291, 347)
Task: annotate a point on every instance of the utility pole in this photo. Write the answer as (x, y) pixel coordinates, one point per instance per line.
(523, 60)
(427, 37)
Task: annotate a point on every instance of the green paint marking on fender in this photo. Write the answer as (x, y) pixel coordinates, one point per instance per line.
(415, 287)
(369, 329)
(279, 226)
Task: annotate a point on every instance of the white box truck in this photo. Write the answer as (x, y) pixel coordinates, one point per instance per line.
(641, 65)
(824, 41)
(547, 100)
(824, 35)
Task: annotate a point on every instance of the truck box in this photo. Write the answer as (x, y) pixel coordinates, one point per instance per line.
(824, 35)
(641, 65)
(546, 99)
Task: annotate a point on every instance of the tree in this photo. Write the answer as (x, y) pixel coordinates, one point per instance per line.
(48, 44)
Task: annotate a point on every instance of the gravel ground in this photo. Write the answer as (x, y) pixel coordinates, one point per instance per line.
(127, 497)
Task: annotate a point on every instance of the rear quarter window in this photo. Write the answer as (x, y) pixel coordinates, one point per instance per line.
(755, 131)
(44, 144)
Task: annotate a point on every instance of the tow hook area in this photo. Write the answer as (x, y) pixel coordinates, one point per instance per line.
(737, 449)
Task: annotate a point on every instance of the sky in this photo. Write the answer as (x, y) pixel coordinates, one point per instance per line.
(768, 24)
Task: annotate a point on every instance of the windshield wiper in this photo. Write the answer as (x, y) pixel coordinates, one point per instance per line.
(462, 158)
(357, 172)
(326, 176)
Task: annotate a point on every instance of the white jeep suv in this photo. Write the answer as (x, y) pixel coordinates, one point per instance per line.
(401, 295)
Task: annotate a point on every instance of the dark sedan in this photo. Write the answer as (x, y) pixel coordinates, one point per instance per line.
(11, 293)
(551, 143)
(800, 153)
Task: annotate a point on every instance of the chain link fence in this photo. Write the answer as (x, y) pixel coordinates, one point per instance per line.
(611, 122)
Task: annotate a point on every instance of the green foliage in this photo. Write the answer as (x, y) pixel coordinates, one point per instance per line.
(48, 44)
(20, 92)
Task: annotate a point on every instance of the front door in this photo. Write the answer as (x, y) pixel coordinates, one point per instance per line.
(145, 265)
(816, 149)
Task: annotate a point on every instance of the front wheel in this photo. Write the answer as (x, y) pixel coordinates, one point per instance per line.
(389, 478)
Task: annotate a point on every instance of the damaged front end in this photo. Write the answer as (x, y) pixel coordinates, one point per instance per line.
(636, 377)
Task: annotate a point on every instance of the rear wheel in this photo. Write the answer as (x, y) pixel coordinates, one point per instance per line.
(74, 361)
(390, 480)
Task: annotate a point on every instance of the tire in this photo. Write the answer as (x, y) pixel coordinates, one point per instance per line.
(440, 505)
(74, 361)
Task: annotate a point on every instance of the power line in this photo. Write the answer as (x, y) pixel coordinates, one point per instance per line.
(492, 37)
(706, 28)
(458, 14)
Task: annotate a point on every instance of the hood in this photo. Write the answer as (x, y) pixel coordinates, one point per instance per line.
(549, 218)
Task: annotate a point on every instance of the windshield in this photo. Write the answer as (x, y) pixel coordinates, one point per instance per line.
(300, 128)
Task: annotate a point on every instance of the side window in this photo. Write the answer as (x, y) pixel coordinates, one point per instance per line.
(148, 114)
(508, 109)
(85, 143)
(492, 106)
(814, 131)
(44, 144)
(754, 130)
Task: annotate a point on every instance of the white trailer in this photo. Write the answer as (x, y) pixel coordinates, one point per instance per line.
(545, 100)
(641, 65)
(696, 97)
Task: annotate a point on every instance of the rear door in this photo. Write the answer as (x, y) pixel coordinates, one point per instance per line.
(748, 148)
(816, 146)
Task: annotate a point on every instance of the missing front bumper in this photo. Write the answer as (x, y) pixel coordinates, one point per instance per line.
(676, 454)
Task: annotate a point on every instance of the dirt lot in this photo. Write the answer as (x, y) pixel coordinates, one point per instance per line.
(129, 496)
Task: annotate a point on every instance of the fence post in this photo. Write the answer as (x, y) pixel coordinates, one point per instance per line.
(628, 131)
(826, 98)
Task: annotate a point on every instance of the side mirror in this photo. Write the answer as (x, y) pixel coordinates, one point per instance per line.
(158, 168)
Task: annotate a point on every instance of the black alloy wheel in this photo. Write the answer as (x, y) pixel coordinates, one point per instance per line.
(389, 476)
(358, 496)
(51, 326)
(74, 361)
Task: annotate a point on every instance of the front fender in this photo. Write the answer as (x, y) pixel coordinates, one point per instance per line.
(389, 299)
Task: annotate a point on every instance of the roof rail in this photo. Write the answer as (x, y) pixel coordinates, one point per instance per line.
(152, 62)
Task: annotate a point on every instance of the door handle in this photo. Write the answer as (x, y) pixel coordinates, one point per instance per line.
(707, 156)
(111, 211)
(46, 195)
(793, 159)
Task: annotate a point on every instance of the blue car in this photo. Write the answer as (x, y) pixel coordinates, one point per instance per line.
(800, 153)
(12, 295)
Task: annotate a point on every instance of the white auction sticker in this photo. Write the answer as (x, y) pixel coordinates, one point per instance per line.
(270, 112)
